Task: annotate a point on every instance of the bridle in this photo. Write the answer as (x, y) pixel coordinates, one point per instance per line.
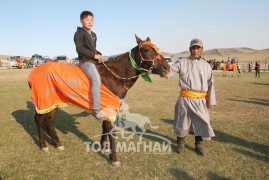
(158, 57)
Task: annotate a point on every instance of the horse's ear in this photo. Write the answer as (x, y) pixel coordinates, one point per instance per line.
(148, 39)
(138, 40)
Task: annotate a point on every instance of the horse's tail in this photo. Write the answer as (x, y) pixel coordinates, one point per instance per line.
(147, 121)
(153, 127)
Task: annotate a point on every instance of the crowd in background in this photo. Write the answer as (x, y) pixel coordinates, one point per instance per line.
(217, 65)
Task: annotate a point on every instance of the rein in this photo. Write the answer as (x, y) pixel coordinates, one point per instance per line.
(143, 72)
(123, 78)
(119, 77)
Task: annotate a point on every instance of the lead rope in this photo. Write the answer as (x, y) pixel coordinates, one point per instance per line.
(123, 78)
(119, 76)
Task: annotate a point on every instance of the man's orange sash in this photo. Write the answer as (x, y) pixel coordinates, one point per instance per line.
(191, 94)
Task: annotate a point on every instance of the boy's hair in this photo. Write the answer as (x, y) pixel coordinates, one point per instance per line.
(84, 14)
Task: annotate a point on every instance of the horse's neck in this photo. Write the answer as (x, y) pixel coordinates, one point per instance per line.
(121, 67)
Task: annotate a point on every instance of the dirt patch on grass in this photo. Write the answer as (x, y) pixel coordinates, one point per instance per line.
(14, 74)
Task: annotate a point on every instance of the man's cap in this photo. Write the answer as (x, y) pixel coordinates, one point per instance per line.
(196, 42)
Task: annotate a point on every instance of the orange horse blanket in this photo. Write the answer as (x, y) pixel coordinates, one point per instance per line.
(230, 67)
(56, 84)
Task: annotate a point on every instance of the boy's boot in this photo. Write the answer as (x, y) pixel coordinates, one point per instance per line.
(180, 144)
(199, 145)
(98, 114)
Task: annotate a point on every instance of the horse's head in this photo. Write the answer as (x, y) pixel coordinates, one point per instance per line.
(151, 59)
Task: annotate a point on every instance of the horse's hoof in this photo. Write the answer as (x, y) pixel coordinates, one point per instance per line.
(116, 164)
(46, 150)
(60, 148)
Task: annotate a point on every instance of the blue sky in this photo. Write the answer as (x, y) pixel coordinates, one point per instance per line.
(47, 27)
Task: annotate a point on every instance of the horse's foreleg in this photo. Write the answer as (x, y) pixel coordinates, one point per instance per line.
(224, 73)
(112, 135)
(237, 72)
(104, 142)
(39, 119)
(51, 128)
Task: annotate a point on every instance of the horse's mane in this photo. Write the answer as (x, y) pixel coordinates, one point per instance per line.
(112, 59)
(117, 58)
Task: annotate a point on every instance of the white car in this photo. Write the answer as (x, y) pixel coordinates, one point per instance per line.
(168, 60)
(75, 61)
(13, 61)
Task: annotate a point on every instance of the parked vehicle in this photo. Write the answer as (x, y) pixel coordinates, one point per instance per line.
(169, 60)
(13, 61)
(75, 61)
(37, 60)
(61, 58)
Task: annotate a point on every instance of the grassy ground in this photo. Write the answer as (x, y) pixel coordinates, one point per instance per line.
(240, 149)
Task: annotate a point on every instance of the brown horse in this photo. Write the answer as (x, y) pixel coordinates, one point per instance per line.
(118, 75)
(230, 67)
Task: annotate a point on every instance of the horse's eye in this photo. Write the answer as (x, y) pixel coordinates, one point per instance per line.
(145, 50)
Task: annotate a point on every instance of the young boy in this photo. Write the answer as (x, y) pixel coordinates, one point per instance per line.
(85, 41)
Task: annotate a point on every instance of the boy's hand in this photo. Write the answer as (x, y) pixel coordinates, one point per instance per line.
(99, 57)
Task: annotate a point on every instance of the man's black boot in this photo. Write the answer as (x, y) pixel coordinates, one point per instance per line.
(199, 145)
(180, 144)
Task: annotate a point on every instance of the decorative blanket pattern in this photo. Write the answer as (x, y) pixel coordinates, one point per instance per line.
(56, 84)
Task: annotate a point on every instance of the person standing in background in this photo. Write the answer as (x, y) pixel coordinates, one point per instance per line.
(257, 69)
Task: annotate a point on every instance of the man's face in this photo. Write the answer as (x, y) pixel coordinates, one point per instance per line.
(196, 51)
(87, 22)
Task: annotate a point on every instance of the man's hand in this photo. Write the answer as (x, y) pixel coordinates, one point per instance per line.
(209, 106)
(99, 57)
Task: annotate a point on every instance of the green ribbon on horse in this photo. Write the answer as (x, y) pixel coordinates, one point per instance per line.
(144, 74)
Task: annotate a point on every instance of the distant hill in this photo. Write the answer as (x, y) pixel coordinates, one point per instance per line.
(4, 57)
(243, 54)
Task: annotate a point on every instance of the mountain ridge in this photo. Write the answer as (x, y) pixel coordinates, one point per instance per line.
(241, 53)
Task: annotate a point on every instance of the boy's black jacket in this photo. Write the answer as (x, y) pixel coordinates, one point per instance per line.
(85, 44)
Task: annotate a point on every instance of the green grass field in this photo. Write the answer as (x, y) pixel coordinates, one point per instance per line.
(240, 149)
